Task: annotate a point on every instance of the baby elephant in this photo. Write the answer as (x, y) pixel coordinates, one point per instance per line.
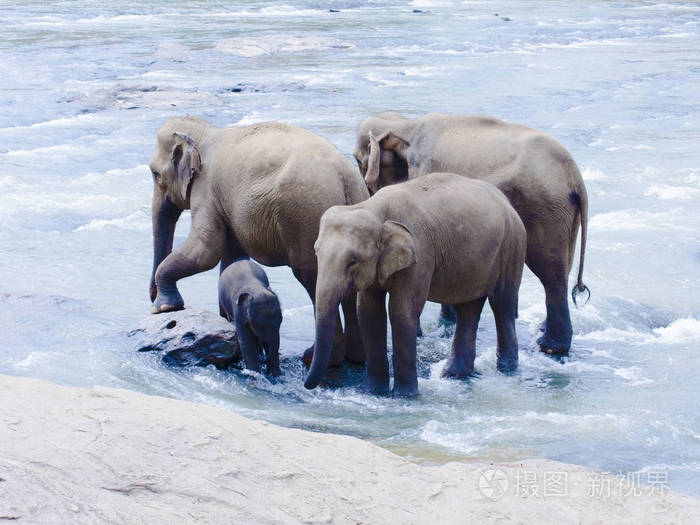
(442, 238)
(245, 299)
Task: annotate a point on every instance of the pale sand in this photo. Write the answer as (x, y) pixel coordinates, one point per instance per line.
(101, 455)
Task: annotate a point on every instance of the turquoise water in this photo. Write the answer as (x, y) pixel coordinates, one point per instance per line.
(86, 85)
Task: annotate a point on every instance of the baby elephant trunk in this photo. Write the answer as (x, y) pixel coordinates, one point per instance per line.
(271, 345)
(250, 349)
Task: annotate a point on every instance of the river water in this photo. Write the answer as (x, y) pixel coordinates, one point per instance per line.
(86, 84)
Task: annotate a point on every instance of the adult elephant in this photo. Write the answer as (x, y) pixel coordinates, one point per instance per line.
(255, 191)
(534, 171)
(442, 238)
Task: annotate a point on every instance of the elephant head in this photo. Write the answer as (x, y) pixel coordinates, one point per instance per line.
(355, 251)
(174, 165)
(382, 151)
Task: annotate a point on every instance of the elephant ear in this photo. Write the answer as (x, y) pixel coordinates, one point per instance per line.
(398, 250)
(186, 162)
(243, 304)
(375, 155)
(386, 141)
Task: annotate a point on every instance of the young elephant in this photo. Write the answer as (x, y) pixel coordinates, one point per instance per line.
(246, 300)
(441, 237)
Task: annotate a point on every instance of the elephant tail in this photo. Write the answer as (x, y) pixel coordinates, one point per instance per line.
(580, 200)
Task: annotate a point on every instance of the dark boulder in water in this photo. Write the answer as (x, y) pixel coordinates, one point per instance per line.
(189, 338)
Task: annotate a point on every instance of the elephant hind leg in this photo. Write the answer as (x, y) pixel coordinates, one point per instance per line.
(558, 332)
(549, 256)
(460, 365)
(556, 339)
(504, 304)
(448, 315)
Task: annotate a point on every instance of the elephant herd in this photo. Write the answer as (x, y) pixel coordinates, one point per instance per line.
(458, 204)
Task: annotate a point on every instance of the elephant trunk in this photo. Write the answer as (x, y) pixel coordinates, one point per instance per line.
(250, 346)
(164, 216)
(327, 302)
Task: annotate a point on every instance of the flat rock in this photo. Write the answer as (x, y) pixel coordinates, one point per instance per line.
(189, 338)
(102, 455)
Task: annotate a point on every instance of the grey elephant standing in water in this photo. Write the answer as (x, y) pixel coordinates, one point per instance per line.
(441, 238)
(245, 299)
(256, 191)
(536, 173)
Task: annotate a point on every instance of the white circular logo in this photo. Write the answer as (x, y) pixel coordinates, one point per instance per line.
(493, 483)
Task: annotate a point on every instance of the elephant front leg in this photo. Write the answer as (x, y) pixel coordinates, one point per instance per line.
(194, 256)
(403, 315)
(460, 365)
(354, 347)
(372, 317)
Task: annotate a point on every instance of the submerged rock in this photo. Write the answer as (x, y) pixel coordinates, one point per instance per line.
(189, 338)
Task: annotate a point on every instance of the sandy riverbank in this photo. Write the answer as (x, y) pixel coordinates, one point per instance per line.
(101, 455)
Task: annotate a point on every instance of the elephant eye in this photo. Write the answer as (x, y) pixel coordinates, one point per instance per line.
(155, 174)
(353, 262)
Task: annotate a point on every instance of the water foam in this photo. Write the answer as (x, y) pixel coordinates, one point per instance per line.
(679, 331)
(667, 192)
(250, 47)
(137, 221)
(271, 11)
(591, 174)
(62, 122)
(634, 220)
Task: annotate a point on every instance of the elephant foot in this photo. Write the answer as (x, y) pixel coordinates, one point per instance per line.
(377, 387)
(273, 371)
(354, 352)
(448, 331)
(336, 360)
(167, 303)
(550, 346)
(308, 356)
(556, 339)
(457, 369)
(404, 389)
(507, 364)
(554, 352)
(272, 364)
